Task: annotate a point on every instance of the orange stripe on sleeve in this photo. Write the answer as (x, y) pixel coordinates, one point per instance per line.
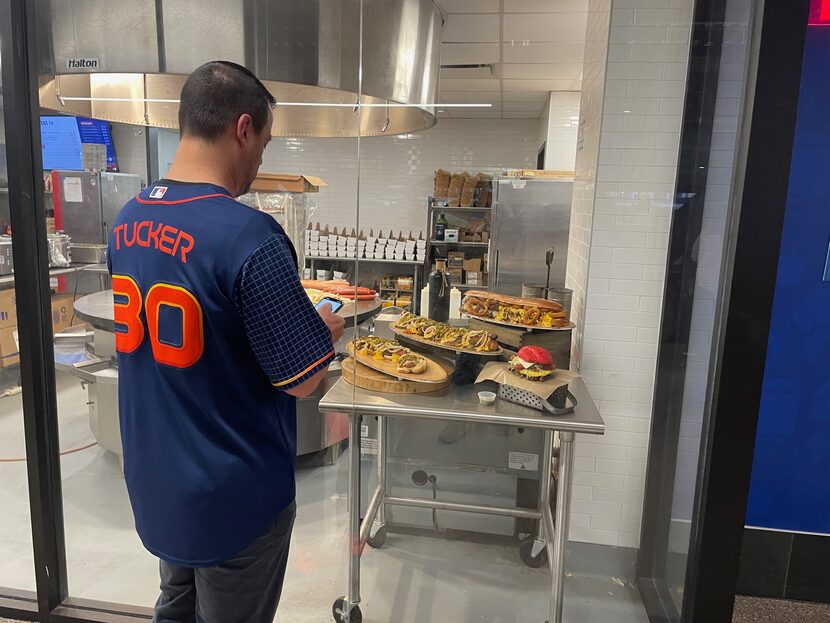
(306, 371)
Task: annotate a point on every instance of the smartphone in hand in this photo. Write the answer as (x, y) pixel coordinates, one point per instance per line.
(336, 305)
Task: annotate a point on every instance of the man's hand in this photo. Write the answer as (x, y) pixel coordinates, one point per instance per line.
(335, 323)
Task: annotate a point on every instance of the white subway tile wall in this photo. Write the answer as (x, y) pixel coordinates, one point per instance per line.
(587, 158)
(397, 174)
(618, 275)
(561, 130)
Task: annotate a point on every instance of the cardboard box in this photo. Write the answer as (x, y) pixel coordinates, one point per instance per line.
(455, 259)
(451, 235)
(62, 312)
(478, 279)
(9, 349)
(287, 183)
(455, 275)
(472, 265)
(8, 311)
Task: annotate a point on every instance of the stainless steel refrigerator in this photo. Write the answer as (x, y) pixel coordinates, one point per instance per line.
(529, 217)
(86, 204)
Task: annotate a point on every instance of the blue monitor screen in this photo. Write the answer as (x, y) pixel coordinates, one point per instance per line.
(62, 138)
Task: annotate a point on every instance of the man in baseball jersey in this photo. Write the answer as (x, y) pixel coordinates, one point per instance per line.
(216, 339)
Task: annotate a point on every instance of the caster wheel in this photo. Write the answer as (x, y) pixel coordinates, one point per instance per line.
(340, 608)
(526, 554)
(379, 540)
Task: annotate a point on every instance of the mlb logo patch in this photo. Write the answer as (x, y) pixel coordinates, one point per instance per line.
(158, 192)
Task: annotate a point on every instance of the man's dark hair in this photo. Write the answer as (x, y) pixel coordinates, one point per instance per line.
(217, 94)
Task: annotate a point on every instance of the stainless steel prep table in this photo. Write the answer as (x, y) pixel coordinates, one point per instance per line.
(461, 404)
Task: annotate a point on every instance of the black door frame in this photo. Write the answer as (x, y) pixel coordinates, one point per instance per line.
(729, 442)
(751, 263)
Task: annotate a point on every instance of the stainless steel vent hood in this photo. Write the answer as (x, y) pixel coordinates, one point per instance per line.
(126, 61)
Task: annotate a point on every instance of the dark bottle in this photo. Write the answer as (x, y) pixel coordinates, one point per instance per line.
(439, 293)
(440, 227)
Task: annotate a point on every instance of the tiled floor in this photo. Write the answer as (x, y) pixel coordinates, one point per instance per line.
(752, 610)
(413, 579)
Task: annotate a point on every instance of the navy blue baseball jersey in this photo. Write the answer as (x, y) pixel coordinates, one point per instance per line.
(212, 326)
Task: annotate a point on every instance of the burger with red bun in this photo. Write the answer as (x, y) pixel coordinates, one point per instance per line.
(533, 363)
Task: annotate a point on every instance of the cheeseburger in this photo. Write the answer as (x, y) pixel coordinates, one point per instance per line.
(532, 362)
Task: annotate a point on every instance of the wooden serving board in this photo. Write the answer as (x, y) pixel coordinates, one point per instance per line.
(419, 340)
(367, 378)
(434, 374)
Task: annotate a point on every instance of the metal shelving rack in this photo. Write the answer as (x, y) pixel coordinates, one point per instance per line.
(451, 246)
(416, 267)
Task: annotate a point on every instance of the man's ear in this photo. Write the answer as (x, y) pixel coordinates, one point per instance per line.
(244, 128)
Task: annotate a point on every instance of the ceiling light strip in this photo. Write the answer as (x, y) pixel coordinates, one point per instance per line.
(313, 104)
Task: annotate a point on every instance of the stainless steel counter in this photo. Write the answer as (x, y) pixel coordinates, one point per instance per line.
(461, 404)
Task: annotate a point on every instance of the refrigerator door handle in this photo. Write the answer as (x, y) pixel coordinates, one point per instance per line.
(496, 276)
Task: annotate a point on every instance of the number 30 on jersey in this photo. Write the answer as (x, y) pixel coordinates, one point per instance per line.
(131, 332)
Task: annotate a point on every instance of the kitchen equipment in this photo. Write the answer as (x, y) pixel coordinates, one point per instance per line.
(6, 258)
(560, 402)
(549, 254)
(366, 378)
(86, 203)
(563, 296)
(533, 290)
(60, 253)
(528, 215)
(302, 50)
(83, 253)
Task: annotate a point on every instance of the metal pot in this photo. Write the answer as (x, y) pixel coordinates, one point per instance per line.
(60, 255)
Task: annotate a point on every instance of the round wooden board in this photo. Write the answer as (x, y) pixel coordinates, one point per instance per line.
(367, 378)
(434, 374)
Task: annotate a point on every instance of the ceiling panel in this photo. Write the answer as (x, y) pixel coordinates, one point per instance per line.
(556, 27)
(471, 29)
(521, 52)
(464, 84)
(520, 115)
(525, 96)
(470, 97)
(539, 85)
(476, 114)
(470, 53)
(545, 6)
(535, 46)
(543, 71)
(522, 107)
(469, 6)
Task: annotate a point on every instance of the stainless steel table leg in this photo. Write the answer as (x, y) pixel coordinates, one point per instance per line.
(380, 523)
(563, 514)
(542, 538)
(353, 596)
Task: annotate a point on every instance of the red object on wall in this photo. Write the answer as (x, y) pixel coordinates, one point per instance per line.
(819, 13)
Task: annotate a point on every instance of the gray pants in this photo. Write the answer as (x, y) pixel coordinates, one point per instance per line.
(245, 589)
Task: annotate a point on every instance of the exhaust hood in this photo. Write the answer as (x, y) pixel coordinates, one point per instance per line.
(127, 61)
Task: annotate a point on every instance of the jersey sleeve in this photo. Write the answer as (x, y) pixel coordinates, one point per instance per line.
(289, 338)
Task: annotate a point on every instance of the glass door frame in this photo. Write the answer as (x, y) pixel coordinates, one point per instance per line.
(740, 342)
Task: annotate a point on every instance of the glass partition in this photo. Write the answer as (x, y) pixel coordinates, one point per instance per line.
(490, 190)
(16, 559)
